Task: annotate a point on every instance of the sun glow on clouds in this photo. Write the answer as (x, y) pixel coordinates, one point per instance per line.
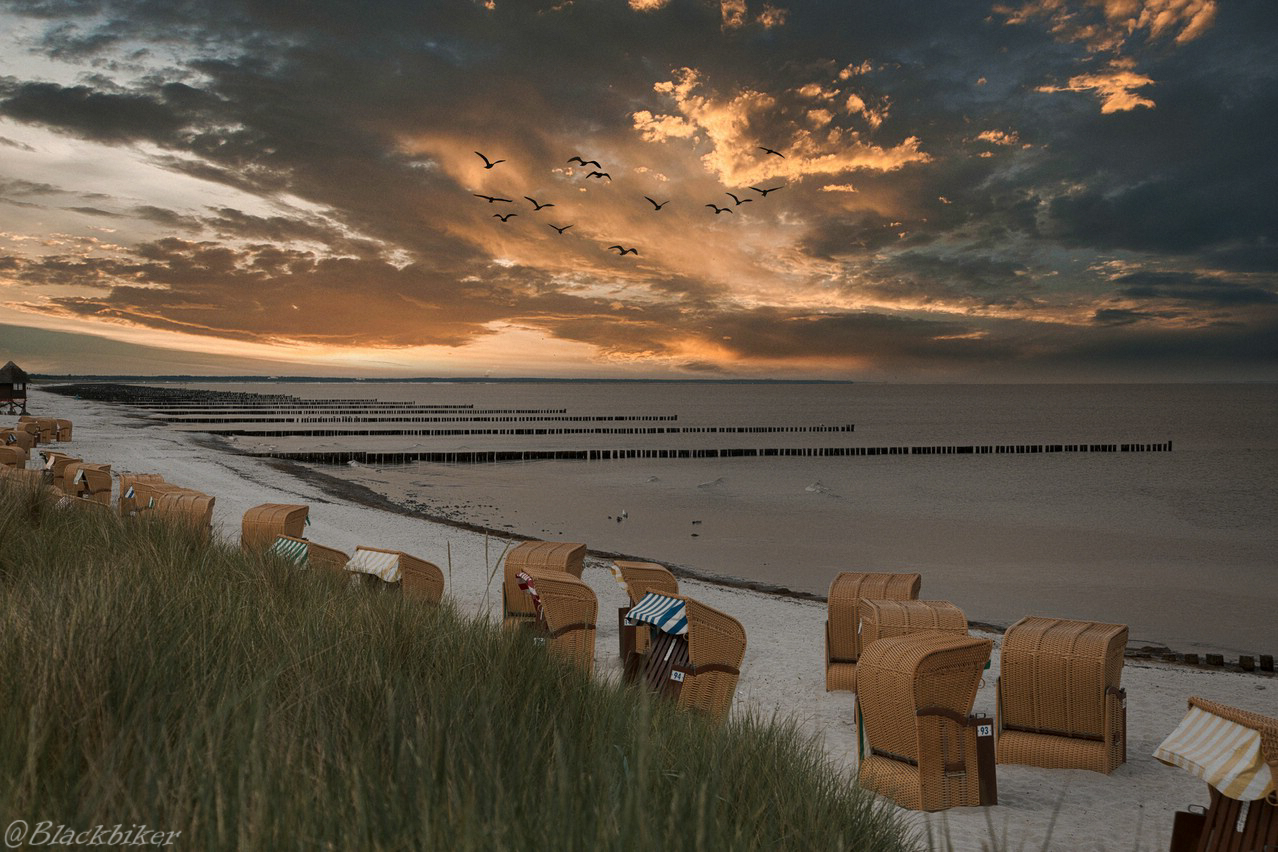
(1116, 87)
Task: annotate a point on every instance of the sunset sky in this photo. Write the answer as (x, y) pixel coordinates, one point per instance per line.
(1046, 190)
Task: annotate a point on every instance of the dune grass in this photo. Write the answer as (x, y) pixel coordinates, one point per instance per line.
(148, 677)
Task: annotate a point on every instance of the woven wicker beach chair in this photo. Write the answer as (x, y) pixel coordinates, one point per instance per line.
(566, 556)
(640, 578)
(17, 437)
(190, 508)
(32, 478)
(1061, 704)
(698, 668)
(56, 462)
(31, 427)
(881, 619)
(307, 554)
(920, 745)
(1236, 752)
(842, 636)
(129, 498)
(263, 524)
(394, 569)
(46, 427)
(87, 479)
(568, 615)
(64, 430)
(13, 456)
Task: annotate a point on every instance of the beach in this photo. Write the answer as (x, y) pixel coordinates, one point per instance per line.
(782, 675)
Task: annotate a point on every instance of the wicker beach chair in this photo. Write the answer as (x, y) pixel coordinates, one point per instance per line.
(640, 578)
(1236, 752)
(695, 655)
(565, 556)
(64, 430)
(130, 502)
(568, 614)
(190, 508)
(842, 637)
(87, 479)
(920, 745)
(1060, 700)
(308, 554)
(263, 524)
(46, 427)
(398, 570)
(881, 619)
(32, 478)
(13, 456)
(17, 437)
(56, 463)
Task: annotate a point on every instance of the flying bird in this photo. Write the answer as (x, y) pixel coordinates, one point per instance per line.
(559, 229)
(717, 210)
(537, 206)
(655, 204)
(770, 151)
(488, 164)
(621, 251)
(739, 201)
(585, 163)
(504, 218)
(490, 199)
(600, 175)
(764, 192)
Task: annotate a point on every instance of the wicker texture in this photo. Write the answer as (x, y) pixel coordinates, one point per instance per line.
(417, 577)
(262, 524)
(883, 619)
(17, 474)
(912, 690)
(319, 556)
(60, 462)
(46, 427)
(21, 438)
(187, 507)
(13, 456)
(842, 643)
(641, 578)
(565, 556)
(64, 429)
(714, 639)
(569, 612)
(129, 505)
(95, 484)
(1060, 698)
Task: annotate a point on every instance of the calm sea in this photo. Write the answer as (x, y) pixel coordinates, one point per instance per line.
(1181, 545)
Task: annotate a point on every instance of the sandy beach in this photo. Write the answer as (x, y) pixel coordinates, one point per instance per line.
(782, 675)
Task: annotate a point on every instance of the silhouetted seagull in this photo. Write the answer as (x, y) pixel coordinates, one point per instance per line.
(621, 251)
(504, 218)
(600, 175)
(488, 164)
(766, 191)
(770, 151)
(490, 198)
(537, 206)
(559, 229)
(655, 204)
(739, 201)
(584, 163)
(717, 210)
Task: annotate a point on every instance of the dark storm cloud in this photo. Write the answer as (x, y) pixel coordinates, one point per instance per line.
(91, 114)
(1193, 290)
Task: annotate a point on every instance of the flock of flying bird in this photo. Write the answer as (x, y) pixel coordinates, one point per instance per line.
(601, 175)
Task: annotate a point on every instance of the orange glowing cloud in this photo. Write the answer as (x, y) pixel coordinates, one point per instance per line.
(1115, 87)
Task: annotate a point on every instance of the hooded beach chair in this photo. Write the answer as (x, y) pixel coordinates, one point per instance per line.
(263, 524)
(88, 480)
(307, 554)
(46, 427)
(565, 613)
(399, 570)
(56, 463)
(186, 507)
(13, 456)
(843, 621)
(639, 579)
(1061, 704)
(64, 430)
(1236, 752)
(129, 499)
(881, 619)
(18, 437)
(920, 745)
(695, 654)
(566, 556)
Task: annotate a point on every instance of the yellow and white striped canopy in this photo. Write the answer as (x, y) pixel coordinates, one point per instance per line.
(1223, 753)
(384, 566)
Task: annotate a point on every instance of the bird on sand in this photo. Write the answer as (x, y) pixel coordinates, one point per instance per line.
(594, 163)
(504, 218)
(600, 175)
(537, 206)
(739, 201)
(488, 164)
(491, 198)
(559, 229)
(764, 192)
(770, 151)
(621, 251)
(717, 209)
(655, 204)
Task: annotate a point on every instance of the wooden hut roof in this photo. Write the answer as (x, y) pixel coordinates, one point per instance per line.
(12, 374)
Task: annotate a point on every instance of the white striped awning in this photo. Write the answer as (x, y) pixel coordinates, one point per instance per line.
(1225, 754)
(663, 612)
(384, 566)
(291, 550)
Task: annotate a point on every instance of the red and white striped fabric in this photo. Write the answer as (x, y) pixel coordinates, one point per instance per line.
(526, 584)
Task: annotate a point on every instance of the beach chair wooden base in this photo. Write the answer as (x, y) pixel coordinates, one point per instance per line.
(1228, 825)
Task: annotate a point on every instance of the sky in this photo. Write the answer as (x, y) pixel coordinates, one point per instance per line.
(1031, 190)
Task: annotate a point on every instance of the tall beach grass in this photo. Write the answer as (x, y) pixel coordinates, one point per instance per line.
(149, 677)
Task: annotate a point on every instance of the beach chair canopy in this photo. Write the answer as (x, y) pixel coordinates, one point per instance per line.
(639, 578)
(843, 621)
(1233, 750)
(881, 619)
(262, 524)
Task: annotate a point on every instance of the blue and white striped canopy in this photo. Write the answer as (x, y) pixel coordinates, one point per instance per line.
(660, 611)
